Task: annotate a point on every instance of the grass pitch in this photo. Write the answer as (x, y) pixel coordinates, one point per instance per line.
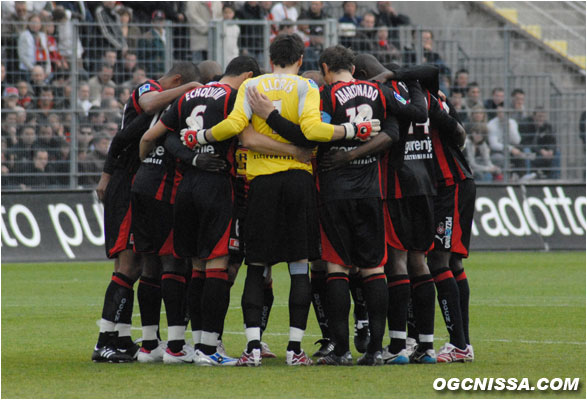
(527, 320)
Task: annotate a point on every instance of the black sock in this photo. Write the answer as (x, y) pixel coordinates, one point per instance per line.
(267, 304)
(188, 279)
(300, 297)
(107, 339)
(376, 297)
(463, 284)
(447, 293)
(252, 299)
(318, 282)
(116, 300)
(423, 300)
(411, 322)
(149, 296)
(398, 289)
(339, 306)
(195, 290)
(173, 291)
(360, 310)
(214, 305)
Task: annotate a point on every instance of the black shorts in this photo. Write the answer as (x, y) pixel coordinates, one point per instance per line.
(202, 216)
(282, 218)
(410, 223)
(117, 214)
(152, 225)
(353, 232)
(454, 207)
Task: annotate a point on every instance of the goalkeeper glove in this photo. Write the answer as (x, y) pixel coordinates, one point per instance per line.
(192, 139)
(362, 131)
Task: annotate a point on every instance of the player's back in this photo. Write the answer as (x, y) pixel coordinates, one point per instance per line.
(202, 108)
(351, 101)
(291, 96)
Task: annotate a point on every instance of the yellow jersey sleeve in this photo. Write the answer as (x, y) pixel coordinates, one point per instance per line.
(237, 120)
(309, 113)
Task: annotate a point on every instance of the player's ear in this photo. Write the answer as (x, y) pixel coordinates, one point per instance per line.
(300, 61)
(271, 64)
(248, 75)
(353, 70)
(324, 69)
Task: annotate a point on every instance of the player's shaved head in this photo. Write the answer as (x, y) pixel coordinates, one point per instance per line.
(186, 70)
(367, 66)
(314, 75)
(208, 70)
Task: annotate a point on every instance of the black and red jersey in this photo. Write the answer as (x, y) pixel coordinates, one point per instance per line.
(354, 101)
(157, 175)
(411, 161)
(124, 149)
(202, 108)
(451, 165)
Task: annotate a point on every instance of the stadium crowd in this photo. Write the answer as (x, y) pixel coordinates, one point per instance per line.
(120, 44)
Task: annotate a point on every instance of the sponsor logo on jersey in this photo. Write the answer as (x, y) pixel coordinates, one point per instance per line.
(399, 98)
(146, 87)
(313, 84)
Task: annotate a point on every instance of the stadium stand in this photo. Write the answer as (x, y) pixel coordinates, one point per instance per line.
(47, 67)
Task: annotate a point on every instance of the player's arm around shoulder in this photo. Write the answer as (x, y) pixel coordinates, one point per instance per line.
(236, 121)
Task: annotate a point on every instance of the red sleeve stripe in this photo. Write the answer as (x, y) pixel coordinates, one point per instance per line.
(135, 104)
(157, 85)
(226, 98)
(168, 128)
(394, 84)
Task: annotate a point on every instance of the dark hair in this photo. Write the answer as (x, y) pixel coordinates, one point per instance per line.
(286, 50)
(337, 58)
(497, 89)
(472, 84)
(461, 71)
(517, 91)
(344, 3)
(242, 64)
(188, 70)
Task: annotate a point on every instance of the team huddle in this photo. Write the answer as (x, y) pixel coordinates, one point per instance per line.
(354, 178)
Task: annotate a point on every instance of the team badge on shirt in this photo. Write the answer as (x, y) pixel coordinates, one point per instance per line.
(400, 98)
(313, 84)
(144, 88)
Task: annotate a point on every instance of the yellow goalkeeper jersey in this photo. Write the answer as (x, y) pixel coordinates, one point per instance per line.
(297, 99)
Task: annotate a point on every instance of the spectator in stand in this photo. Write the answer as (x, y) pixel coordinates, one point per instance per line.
(477, 150)
(64, 20)
(130, 33)
(83, 98)
(461, 82)
(61, 164)
(429, 56)
(518, 100)
(91, 167)
(138, 76)
(3, 74)
(473, 95)
(46, 139)
(110, 129)
(457, 101)
(350, 13)
(122, 94)
(388, 17)
(152, 45)
(56, 123)
(96, 118)
(124, 73)
(538, 137)
(284, 11)
(108, 92)
(231, 33)
(45, 104)
(582, 126)
(32, 48)
(38, 79)
(112, 110)
(58, 62)
(110, 28)
(10, 98)
(23, 150)
(313, 33)
(25, 94)
(13, 24)
(102, 78)
(199, 14)
(84, 137)
(39, 170)
(365, 40)
(21, 116)
(251, 38)
(10, 128)
(8, 165)
(503, 135)
(497, 99)
(384, 51)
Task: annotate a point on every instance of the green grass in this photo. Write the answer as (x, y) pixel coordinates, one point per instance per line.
(527, 320)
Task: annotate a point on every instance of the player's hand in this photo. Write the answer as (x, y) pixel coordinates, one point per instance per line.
(209, 162)
(335, 159)
(102, 185)
(303, 154)
(193, 138)
(384, 76)
(362, 131)
(260, 104)
(442, 95)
